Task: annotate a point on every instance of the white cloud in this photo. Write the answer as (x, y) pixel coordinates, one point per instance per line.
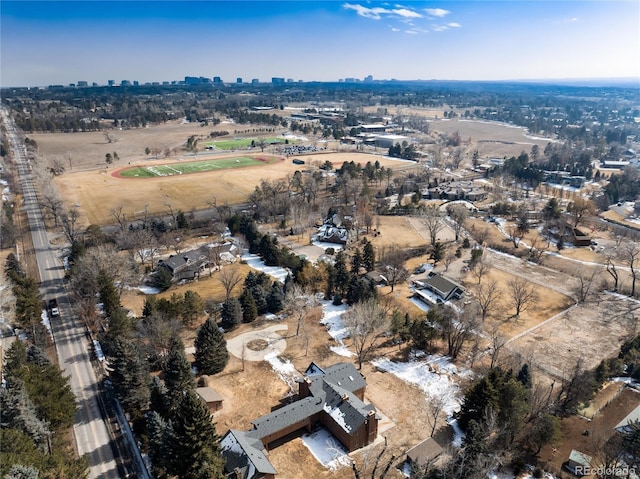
(454, 25)
(394, 29)
(440, 28)
(378, 12)
(411, 32)
(437, 12)
(406, 13)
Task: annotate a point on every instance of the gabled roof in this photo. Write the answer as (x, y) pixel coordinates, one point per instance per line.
(209, 394)
(425, 451)
(442, 286)
(245, 453)
(633, 416)
(343, 375)
(579, 458)
(285, 416)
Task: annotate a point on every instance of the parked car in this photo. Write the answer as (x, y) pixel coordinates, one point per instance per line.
(53, 308)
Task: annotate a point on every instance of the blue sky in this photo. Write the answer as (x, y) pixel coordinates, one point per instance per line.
(53, 42)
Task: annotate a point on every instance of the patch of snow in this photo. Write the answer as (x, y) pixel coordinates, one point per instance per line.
(337, 415)
(326, 449)
(325, 245)
(45, 321)
(144, 289)
(256, 262)
(458, 434)
(420, 304)
(284, 369)
(332, 319)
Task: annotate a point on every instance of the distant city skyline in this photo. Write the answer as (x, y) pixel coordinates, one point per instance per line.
(52, 42)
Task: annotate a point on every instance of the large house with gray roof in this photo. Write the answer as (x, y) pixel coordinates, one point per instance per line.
(190, 264)
(332, 397)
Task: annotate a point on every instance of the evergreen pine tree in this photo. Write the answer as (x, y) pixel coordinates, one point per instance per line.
(159, 397)
(159, 433)
(260, 299)
(177, 374)
(17, 411)
(149, 306)
(368, 257)
(275, 299)
(342, 274)
(524, 376)
(356, 261)
(331, 279)
(249, 309)
(194, 449)
(192, 307)
(211, 349)
(231, 314)
(108, 294)
(130, 377)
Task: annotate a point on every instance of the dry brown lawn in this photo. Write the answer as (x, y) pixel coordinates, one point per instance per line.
(98, 192)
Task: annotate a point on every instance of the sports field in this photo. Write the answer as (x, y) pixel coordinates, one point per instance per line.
(171, 169)
(238, 143)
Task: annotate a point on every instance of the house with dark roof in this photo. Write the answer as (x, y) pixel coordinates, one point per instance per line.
(190, 264)
(424, 453)
(437, 289)
(331, 397)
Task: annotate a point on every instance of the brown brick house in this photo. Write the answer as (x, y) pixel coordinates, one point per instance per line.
(332, 397)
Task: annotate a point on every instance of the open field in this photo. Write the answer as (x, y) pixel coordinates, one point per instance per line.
(202, 166)
(97, 192)
(238, 143)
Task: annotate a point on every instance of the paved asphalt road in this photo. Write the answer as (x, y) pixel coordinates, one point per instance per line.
(90, 430)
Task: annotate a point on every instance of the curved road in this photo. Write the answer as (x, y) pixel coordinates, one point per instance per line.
(90, 430)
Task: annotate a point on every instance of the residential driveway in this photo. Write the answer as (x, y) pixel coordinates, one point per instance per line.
(267, 338)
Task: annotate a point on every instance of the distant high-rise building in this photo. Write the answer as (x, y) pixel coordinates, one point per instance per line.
(368, 78)
(125, 83)
(82, 83)
(255, 81)
(191, 80)
(136, 83)
(277, 80)
(239, 80)
(94, 84)
(165, 83)
(217, 80)
(111, 82)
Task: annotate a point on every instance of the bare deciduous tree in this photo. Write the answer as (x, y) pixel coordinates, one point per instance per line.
(366, 321)
(299, 303)
(120, 216)
(585, 283)
(69, 220)
(523, 295)
(229, 277)
(432, 218)
(458, 213)
(630, 254)
(458, 327)
(487, 294)
(436, 404)
(481, 268)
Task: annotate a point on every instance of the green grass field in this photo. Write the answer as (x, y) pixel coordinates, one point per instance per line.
(238, 143)
(193, 167)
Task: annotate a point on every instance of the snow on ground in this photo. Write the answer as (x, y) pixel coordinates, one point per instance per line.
(332, 319)
(256, 262)
(420, 304)
(435, 375)
(325, 245)
(45, 321)
(148, 289)
(326, 449)
(284, 369)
